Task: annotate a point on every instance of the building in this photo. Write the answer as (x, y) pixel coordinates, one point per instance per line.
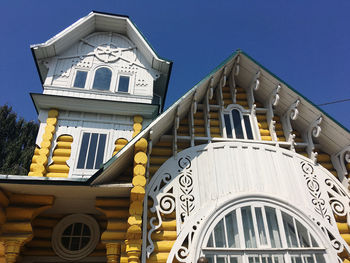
(241, 169)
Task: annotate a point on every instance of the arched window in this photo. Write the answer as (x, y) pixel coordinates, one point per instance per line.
(260, 233)
(102, 80)
(237, 125)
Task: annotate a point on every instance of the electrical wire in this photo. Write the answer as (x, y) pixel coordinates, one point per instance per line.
(333, 102)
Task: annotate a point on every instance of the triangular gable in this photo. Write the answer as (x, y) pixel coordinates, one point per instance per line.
(103, 22)
(333, 137)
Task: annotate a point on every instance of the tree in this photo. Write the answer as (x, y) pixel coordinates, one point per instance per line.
(17, 142)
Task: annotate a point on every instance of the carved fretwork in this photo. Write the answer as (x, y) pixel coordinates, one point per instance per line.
(313, 131)
(271, 103)
(290, 114)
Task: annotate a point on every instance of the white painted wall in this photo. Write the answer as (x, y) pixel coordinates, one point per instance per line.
(201, 179)
(99, 49)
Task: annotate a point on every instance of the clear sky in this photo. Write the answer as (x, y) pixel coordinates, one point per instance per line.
(305, 43)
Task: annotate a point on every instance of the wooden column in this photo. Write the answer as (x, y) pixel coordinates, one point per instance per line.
(113, 252)
(40, 158)
(133, 240)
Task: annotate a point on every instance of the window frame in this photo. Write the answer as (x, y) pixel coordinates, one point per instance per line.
(86, 80)
(94, 75)
(117, 83)
(73, 255)
(107, 150)
(242, 251)
(242, 112)
(113, 87)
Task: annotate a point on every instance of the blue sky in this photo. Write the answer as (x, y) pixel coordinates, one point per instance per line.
(305, 43)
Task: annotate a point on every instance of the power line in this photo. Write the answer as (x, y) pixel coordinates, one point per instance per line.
(333, 102)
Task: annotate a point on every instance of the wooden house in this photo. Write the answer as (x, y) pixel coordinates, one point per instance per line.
(241, 169)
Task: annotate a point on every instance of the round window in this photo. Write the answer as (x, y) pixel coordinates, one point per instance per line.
(75, 236)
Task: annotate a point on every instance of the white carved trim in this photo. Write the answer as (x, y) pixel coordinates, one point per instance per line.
(340, 161)
(254, 86)
(313, 131)
(272, 102)
(290, 114)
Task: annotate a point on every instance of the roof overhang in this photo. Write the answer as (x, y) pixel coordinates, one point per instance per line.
(333, 135)
(103, 22)
(45, 101)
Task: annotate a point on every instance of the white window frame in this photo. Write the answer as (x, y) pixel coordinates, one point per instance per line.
(58, 230)
(94, 75)
(130, 83)
(242, 112)
(107, 153)
(244, 252)
(86, 81)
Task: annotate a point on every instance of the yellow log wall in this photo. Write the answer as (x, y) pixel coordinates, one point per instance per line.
(60, 156)
(40, 158)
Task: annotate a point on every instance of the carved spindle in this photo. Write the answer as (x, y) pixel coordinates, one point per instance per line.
(272, 102)
(176, 126)
(191, 122)
(290, 114)
(313, 131)
(207, 113)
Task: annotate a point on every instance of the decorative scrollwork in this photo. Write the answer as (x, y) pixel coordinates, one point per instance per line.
(186, 187)
(337, 207)
(290, 114)
(274, 96)
(347, 156)
(167, 204)
(314, 189)
(293, 111)
(314, 130)
(162, 203)
(182, 253)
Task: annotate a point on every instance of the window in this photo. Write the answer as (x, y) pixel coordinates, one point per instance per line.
(123, 84)
(237, 125)
(102, 80)
(75, 236)
(80, 79)
(91, 150)
(260, 233)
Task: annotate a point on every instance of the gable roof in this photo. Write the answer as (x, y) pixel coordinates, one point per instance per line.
(103, 22)
(334, 136)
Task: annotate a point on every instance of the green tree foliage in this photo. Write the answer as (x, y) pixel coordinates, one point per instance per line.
(17, 142)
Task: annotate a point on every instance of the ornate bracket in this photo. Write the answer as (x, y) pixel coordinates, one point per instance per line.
(211, 88)
(224, 77)
(314, 130)
(272, 102)
(254, 86)
(341, 162)
(232, 84)
(236, 68)
(290, 114)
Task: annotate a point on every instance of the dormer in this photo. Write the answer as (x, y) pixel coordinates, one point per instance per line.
(102, 82)
(101, 57)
